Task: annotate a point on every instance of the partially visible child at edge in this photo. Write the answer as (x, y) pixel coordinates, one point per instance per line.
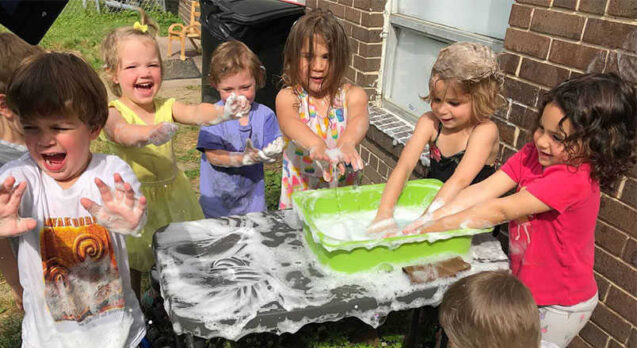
(233, 153)
(140, 127)
(464, 91)
(70, 210)
(323, 118)
(13, 51)
(585, 138)
(490, 309)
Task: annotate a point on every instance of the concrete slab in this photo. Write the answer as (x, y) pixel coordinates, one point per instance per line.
(191, 51)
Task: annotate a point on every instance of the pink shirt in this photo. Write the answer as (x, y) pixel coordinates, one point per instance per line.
(553, 252)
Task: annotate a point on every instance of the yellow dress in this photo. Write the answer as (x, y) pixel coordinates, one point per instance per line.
(168, 192)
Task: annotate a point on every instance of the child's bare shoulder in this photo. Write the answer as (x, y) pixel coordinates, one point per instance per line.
(286, 96)
(487, 127)
(428, 119)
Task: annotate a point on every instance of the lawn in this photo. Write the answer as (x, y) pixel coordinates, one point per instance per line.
(82, 30)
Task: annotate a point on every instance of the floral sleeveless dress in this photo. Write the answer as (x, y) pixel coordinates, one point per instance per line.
(299, 172)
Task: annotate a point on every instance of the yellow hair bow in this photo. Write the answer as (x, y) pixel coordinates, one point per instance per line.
(141, 27)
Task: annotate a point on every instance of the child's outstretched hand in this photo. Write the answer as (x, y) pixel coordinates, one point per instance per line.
(11, 223)
(349, 155)
(235, 107)
(253, 155)
(162, 133)
(122, 212)
(383, 228)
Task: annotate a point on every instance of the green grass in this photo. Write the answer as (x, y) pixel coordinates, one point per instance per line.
(10, 331)
(82, 30)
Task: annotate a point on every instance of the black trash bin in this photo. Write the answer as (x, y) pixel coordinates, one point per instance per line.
(263, 25)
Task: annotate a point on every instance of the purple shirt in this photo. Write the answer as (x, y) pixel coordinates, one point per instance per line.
(236, 190)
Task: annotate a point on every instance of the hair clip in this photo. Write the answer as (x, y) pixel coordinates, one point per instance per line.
(141, 27)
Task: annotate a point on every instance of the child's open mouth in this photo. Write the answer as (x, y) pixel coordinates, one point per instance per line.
(53, 161)
(145, 89)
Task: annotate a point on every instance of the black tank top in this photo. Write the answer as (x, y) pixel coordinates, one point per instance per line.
(441, 167)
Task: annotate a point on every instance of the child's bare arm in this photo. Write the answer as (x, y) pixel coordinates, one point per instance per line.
(251, 155)
(478, 152)
(409, 157)
(9, 268)
(206, 114)
(292, 126)
(357, 125)
(489, 213)
(121, 211)
(11, 224)
(124, 133)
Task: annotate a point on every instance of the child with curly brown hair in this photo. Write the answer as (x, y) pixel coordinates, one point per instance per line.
(585, 138)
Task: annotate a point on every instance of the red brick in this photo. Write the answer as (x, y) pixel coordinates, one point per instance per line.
(337, 9)
(618, 215)
(630, 253)
(348, 3)
(623, 8)
(366, 35)
(557, 23)
(615, 271)
(523, 138)
(507, 152)
(373, 162)
(593, 335)
(312, 4)
(366, 65)
(602, 285)
(523, 117)
(520, 16)
(542, 73)
(592, 6)
(608, 33)
(569, 4)
(370, 5)
(578, 342)
(632, 341)
(626, 61)
(323, 4)
(622, 303)
(611, 322)
(507, 132)
(370, 50)
(371, 94)
(527, 42)
(610, 238)
(348, 27)
(633, 171)
(521, 92)
(372, 20)
(508, 62)
(614, 344)
(629, 193)
(585, 58)
(366, 80)
(350, 74)
(353, 15)
(544, 3)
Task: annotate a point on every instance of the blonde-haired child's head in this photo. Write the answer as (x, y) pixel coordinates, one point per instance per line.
(234, 68)
(142, 32)
(472, 69)
(316, 54)
(490, 309)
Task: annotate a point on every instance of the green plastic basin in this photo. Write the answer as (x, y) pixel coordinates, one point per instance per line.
(354, 256)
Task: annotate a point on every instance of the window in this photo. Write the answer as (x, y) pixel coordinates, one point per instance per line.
(418, 29)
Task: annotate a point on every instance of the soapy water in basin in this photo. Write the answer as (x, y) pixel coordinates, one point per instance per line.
(353, 226)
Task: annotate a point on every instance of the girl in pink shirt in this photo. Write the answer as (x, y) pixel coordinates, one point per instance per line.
(585, 138)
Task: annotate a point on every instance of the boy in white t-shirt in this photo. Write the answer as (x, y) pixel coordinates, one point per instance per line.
(64, 205)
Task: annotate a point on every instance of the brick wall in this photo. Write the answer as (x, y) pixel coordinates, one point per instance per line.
(547, 42)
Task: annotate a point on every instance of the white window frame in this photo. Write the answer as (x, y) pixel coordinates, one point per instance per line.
(394, 22)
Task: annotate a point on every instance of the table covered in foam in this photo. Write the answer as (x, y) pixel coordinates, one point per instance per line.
(229, 277)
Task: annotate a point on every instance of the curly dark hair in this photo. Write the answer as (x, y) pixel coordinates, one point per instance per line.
(602, 110)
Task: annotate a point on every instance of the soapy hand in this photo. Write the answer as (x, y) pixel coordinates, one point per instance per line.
(253, 155)
(121, 211)
(384, 228)
(11, 224)
(162, 133)
(349, 155)
(418, 225)
(235, 107)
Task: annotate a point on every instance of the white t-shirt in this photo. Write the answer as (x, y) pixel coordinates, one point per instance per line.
(74, 272)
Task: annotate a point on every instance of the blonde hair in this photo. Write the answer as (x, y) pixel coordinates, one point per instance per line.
(13, 50)
(58, 83)
(232, 57)
(490, 309)
(316, 23)
(110, 46)
(474, 68)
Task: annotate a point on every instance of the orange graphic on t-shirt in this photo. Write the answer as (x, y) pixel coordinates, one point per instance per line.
(80, 271)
